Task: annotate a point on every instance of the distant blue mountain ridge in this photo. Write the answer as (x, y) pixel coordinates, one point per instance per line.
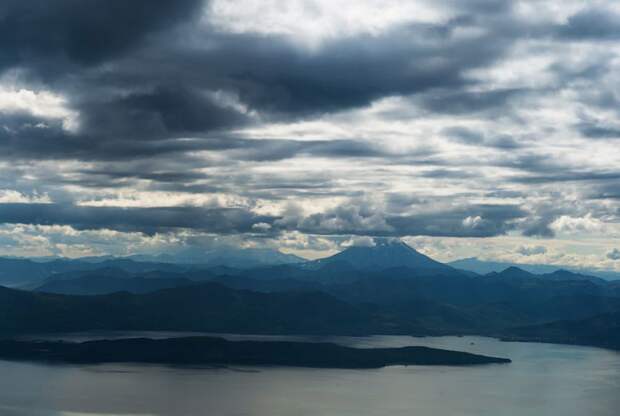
(475, 265)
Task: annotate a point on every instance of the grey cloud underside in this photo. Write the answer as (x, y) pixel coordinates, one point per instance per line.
(147, 220)
(592, 24)
(152, 91)
(598, 131)
(496, 102)
(610, 190)
(475, 138)
(25, 136)
(539, 227)
(153, 88)
(492, 220)
(81, 32)
(570, 177)
(358, 219)
(540, 169)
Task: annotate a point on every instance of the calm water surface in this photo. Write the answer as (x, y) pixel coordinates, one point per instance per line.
(543, 379)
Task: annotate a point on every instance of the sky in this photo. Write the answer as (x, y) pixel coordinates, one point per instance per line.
(466, 128)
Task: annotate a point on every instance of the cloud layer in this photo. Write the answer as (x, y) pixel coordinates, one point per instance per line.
(470, 120)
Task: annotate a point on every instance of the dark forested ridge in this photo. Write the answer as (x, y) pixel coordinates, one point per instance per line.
(217, 351)
(101, 284)
(202, 307)
(600, 330)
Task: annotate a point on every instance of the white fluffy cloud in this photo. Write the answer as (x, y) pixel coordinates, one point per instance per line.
(314, 21)
(45, 104)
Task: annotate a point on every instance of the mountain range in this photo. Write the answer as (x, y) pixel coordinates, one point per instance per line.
(21, 272)
(476, 265)
(223, 256)
(387, 288)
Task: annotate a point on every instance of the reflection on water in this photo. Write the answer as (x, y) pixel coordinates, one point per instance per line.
(543, 379)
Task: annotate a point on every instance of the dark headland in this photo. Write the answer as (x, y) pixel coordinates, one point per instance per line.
(218, 351)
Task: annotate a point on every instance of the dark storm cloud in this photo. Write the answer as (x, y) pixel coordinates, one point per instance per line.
(478, 7)
(595, 130)
(280, 149)
(480, 221)
(592, 24)
(81, 31)
(399, 202)
(350, 72)
(543, 168)
(539, 227)
(159, 91)
(474, 221)
(610, 190)
(467, 102)
(279, 80)
(540, 163)
(110, 175)
(138, 126)
(280, 186)
(569, 176)
(146, 220)
(163, 112)
(26, 136)
(448, 174)
(476, 138)
(465, 135)
(468, 221)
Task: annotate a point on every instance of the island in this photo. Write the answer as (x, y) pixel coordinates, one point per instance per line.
(203, 350)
